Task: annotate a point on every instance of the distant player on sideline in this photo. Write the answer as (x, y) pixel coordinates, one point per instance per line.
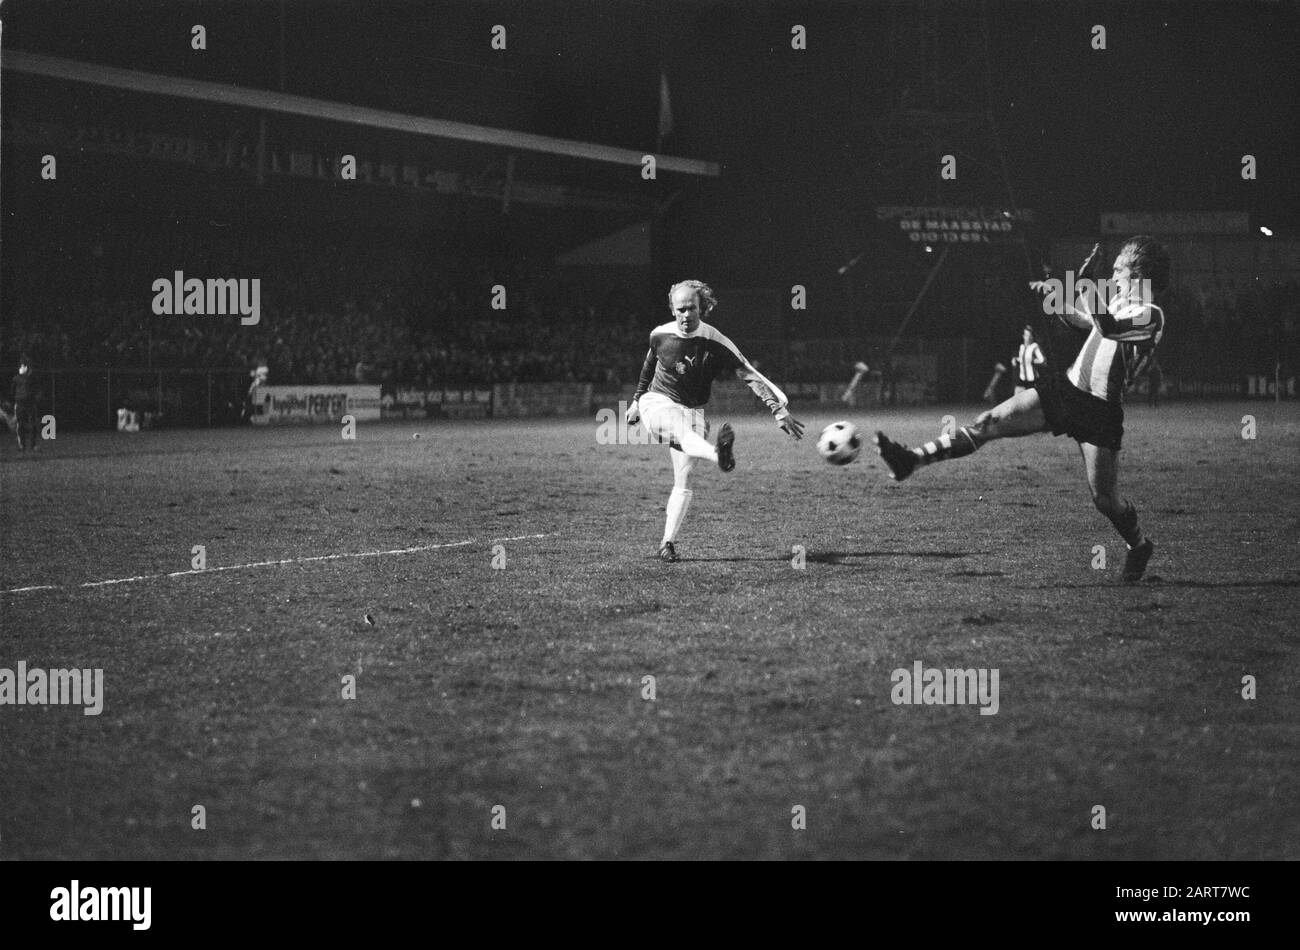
(260, 376)
(1087, 403)
(24, 396)
(685, 357)
(1027, 361)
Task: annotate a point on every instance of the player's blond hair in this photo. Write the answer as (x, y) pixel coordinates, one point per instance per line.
(1148, 259)
(702, 290)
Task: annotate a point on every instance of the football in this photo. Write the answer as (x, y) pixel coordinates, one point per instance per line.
(839, 443)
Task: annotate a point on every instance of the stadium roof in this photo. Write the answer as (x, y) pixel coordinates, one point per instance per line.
(53, 67)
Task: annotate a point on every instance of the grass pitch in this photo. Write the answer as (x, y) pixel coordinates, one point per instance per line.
(523, 686)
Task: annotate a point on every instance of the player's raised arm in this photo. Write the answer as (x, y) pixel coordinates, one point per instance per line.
(772, 397)
(1132, 323)
(1077, 314)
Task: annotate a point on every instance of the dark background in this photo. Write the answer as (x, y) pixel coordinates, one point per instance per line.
(809, 142)
(1187, 88)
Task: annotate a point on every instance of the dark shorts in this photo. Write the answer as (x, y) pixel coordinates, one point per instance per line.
(1082, 416)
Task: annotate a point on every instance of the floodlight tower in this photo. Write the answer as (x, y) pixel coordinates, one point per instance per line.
(940, 116)
(942, 101)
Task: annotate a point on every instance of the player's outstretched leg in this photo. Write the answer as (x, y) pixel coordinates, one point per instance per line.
(676, 425)
(678, 504)
(1022, 414)
(692, 443)
(725, 450)
(899, 458)
(1102, 465)
(902, 461)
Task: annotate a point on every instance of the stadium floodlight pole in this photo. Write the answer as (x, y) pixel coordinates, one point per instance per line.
(934, 272)
(845, 268)
(991, 118)
(282, 16)
(266, 100)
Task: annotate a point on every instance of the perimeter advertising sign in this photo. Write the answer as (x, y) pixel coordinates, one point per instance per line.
(943, 224)
(1182, 222)
(289, 405)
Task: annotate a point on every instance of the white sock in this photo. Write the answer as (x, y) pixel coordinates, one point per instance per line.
(680, 499)
(678, 502)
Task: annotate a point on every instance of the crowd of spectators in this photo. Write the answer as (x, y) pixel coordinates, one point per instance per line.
(357, 309)
(330, 313)
(1227, 326)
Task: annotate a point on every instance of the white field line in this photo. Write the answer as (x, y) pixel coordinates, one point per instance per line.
(252, 564)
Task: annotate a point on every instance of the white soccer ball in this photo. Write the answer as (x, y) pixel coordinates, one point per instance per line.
(839, 443)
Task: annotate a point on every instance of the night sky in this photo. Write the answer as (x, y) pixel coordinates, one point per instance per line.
(1157, 121)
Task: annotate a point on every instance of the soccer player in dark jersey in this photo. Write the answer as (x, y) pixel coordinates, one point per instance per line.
(1087, 404)
(685, 357)
(24, 395)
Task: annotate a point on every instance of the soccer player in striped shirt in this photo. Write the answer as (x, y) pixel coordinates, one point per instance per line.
(685, 357)
(1027, 362)
(1087, 404)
